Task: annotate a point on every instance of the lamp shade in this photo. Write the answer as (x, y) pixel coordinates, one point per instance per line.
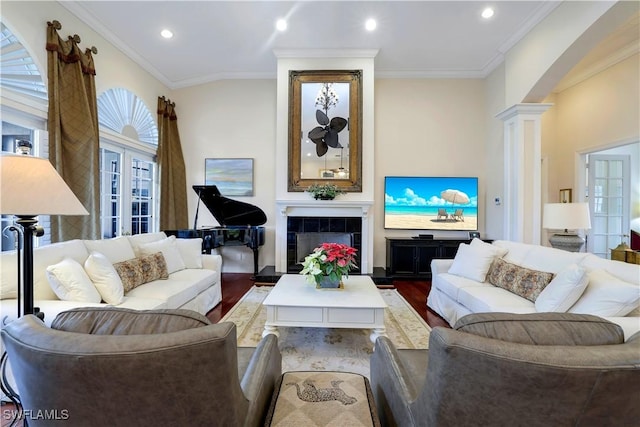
(31, 186)
(567, 216)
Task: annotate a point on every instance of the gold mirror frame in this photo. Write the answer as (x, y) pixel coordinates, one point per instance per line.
(298, 136)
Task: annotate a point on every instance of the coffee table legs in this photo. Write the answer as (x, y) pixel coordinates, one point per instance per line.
(269, 329)
(377, 332)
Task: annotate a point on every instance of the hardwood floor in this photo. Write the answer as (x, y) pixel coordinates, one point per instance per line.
(235, 285)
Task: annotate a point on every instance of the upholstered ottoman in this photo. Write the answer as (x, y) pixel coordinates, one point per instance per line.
(322, 399)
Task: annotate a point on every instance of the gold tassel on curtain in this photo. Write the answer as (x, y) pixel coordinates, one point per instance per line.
(74, 142)
(173, 181)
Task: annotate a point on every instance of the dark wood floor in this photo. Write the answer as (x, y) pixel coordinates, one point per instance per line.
(235, 285)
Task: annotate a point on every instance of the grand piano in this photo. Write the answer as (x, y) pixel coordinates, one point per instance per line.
(240, 223)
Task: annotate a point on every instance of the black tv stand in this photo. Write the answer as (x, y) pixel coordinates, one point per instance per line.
(411, 257)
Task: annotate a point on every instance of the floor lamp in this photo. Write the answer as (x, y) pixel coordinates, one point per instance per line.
(30, 186)
(567, 216)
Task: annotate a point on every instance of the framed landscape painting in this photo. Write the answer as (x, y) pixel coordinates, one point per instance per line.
(233, 177)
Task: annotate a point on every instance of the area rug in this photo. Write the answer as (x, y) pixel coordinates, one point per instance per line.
(328, 349)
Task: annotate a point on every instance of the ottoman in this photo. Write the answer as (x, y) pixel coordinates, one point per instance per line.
(312, 398)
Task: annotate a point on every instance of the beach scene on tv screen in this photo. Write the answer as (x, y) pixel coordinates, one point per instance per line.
(431, 203)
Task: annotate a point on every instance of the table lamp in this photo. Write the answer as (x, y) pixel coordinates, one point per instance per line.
(30, 186)
(567, 216)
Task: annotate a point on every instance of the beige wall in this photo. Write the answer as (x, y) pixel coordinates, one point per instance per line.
(422, 126)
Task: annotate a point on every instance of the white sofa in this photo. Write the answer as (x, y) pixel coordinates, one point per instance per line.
(581, 283)
(193, 283)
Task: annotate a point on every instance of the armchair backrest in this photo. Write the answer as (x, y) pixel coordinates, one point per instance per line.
(474, 380)
(183, 377)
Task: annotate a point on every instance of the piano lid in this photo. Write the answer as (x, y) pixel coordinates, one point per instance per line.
(228, 211)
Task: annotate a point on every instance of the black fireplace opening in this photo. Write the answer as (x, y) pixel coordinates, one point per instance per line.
(306, 233)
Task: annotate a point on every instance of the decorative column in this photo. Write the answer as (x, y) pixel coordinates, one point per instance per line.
(522, 172)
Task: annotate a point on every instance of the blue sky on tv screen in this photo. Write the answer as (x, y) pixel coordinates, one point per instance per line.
(426, 191)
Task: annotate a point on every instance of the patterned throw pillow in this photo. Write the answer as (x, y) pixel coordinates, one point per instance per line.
(518, 280)
(136, 271)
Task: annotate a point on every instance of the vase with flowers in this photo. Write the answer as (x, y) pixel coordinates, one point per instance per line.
(328, 263)
(324, 191)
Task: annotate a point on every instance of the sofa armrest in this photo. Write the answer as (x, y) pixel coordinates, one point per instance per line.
(212, 262)
(439, 266)
(259, 380)
(394, 388)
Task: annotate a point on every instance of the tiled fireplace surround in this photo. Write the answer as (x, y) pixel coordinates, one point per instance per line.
(324, 216)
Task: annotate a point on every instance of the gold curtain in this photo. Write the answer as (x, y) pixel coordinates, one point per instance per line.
(73, 131)
(173, 181)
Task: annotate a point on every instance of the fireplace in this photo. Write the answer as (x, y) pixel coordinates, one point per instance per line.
(314, 216)
(306, 233)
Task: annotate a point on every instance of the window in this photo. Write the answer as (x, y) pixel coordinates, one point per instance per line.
(128, 143)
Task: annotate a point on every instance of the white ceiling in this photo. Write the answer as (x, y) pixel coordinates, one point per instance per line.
(236, 39)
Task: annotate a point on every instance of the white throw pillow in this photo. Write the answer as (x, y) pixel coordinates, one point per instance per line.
(563, 290)
(484, 246)
(606, 295)
(191, 252)
(116, 250)
(472, 262)
(70, 282)
(169, 250)
(105, 278)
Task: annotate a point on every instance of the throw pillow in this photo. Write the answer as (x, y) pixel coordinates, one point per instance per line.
(191, 252)
(117, 249)
(137, 271)
(518, 280)
(169, 250)
(70, 282)
(564, 290)
(105, 278)
(473, 262)
(606, 295)
(487, 247)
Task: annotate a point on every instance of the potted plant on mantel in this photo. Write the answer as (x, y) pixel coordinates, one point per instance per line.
(324, 191)
(328, 263)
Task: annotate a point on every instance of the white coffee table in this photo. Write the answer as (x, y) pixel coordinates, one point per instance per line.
(295, 302)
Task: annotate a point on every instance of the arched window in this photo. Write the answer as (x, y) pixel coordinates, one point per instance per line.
(123, 112)
(18, 72)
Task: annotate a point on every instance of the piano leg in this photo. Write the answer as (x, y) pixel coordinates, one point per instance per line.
(255, 262)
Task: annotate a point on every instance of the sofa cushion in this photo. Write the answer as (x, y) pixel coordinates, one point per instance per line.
(473, 261)
(564, 290)
(105, 278)
(607, 295)
(543, 328)
(622, 270)
(191, 252)
(45, 256)
(536, 257)
(122, 321)
(140, 239)
(71, 283)
(521, 281)
(116, 250)
(451, 284)
(137, 271)
(169, 250)
(492, 299)
(181, 287)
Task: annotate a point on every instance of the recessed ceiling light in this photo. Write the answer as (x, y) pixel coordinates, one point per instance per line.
(281, 24)
(487, 13)
(166, 34)
(370, 25)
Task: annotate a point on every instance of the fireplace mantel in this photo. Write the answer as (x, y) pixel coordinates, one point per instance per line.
(325, 208)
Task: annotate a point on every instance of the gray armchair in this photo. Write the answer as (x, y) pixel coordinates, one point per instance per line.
(110, 367)
(498, 369)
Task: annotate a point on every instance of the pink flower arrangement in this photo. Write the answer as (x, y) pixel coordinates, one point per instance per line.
(329, 259)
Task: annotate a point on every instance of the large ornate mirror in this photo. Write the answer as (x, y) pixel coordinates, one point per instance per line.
(325, 129)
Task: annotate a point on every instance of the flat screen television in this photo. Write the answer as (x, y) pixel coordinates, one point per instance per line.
(431, 203)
